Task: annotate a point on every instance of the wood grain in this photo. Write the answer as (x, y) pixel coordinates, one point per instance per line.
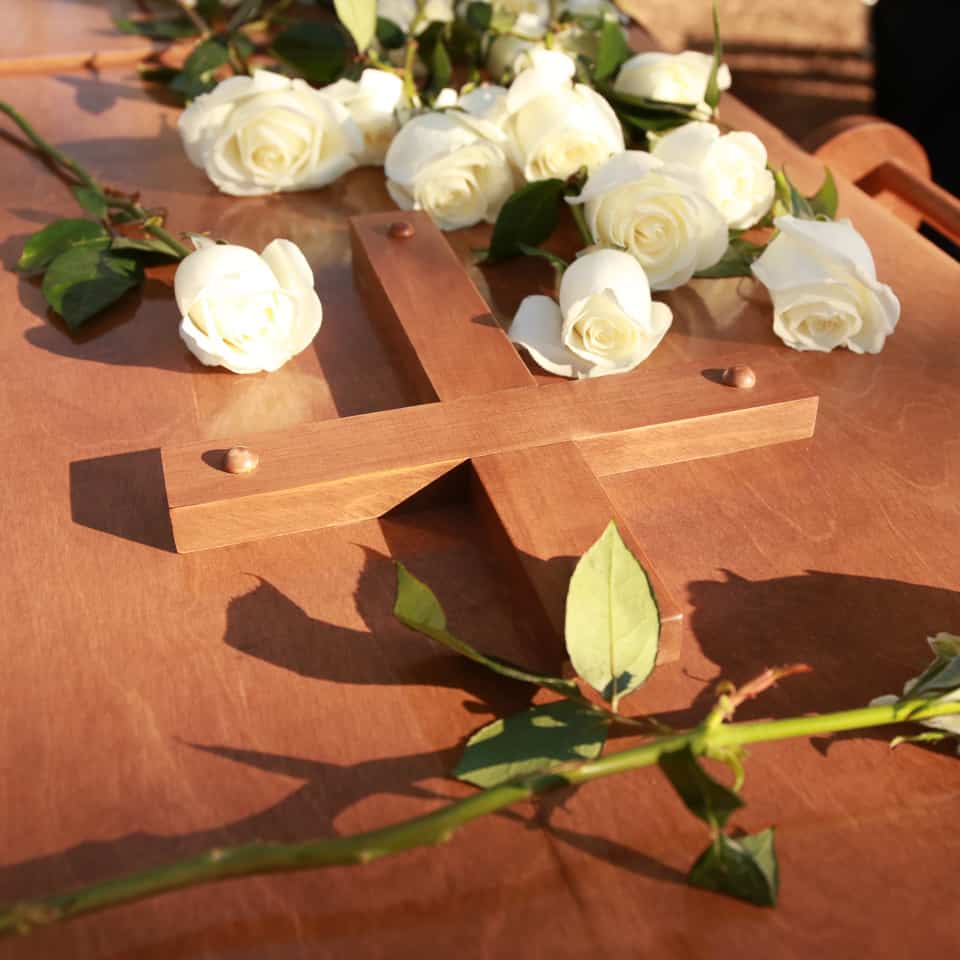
(156, 705)
(369, 458)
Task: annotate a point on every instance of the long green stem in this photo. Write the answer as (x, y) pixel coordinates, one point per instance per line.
(68, 163)
(437, 827)
(151, 224)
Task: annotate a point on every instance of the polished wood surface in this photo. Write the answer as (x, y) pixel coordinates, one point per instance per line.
(156, 705)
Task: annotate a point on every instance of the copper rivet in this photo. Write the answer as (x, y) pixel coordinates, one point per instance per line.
(401, 230)
(240, 460)
(740, 376)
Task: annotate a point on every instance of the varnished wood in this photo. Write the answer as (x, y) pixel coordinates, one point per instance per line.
(367, 459)
(157, 705)
(891, 166)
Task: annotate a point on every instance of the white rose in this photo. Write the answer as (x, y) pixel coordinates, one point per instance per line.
(733, 168)
(671, 77)
(403, 12)
(243, 311)
(450, 165)
(260, 134)
(556, 126)
(823, 283)
(605, 322)
(658, 213)
(373, 102)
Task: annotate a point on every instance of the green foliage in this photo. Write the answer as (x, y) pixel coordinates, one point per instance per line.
(821, 205)
(441, 68)
(92, 200)
(84, 280)
(152, 248)
(360, 19)
(745, 868)
(737, 260)
(528, 218)
(158, 28)
(712, 95)
(316, 51)
(58, 237)
(416, 607)
(825, 201)
(537, 739)
(197, 75)
(479, 15)
(389, 35)
(703, 796)
(613, 50)
(612, 624)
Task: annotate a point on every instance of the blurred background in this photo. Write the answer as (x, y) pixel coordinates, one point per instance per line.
(800, 63)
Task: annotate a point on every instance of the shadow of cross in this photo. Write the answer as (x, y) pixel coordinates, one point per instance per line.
(537, 452)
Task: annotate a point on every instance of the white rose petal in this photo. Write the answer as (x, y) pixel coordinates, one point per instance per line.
(671, 77)
(246, 312)
(823, 283)
(442, 164)
(554, 126)
(733, 168)
(403, 12)
(373, 102)
(605, 322)
(267, 133)
(658, 213)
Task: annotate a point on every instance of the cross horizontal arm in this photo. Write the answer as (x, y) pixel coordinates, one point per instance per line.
(362, 463)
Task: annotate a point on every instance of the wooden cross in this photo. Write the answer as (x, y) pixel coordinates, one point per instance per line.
(537, 453)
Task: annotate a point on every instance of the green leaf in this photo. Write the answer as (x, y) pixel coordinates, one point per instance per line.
(613, 50)
(360, 19)
(389, 35)
(745, 868)
(503, 21)
(247, 10)
(480, 15)
(712, 802)
(537, 739)
(612, 625)
(712, 95)
(317, 51)
(154, 74)
(205, 58)
(528, 217)
(84, 280)
(56, 238)
(825, 201)
(92, 200)
(416, 607)
(152, 246)
(158, 28)
(440, 67)
(736, 261)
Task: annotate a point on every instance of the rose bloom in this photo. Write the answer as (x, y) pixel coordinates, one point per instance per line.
(605, 322)
(555, 126)
(243, 311)
(656, 212)
(450, 165)
(267, 133)
(671, 77)
(373, 103)
(733, 168)
(823, 282)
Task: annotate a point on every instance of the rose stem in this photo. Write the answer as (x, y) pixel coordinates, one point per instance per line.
(438, 826)
(151, 224)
